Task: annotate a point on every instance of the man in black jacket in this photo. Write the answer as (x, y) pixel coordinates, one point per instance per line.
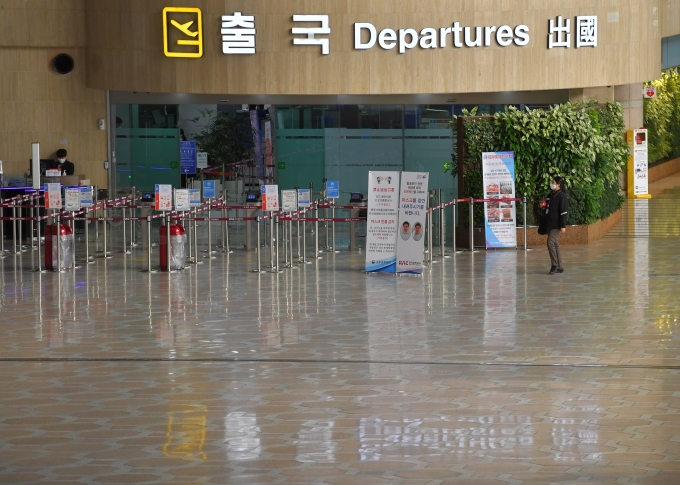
(556, 214)
(64, 165)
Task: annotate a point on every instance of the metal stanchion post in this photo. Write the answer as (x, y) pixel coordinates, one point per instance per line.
(316, 235)
(259, 250)
(32, 204)
(271, 242)
(196, 238)
(524, 208)
(472, 225)
(168, 253)
(209, 251)
(105, 253)
(333, 217)
(39, 270)
(125, 249)
(88, 260)
(21, 227)
(224, 222)
(453, 222)
(133, 221)
(430, 237)
(2, 230)
(304, 238)
(276, 241)
(290, 241)
(57, 221)
(14, 227)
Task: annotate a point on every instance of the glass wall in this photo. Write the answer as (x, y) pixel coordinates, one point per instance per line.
(345, 142)
(146, 146)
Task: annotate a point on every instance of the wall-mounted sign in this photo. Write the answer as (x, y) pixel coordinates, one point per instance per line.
(187, 157)
(182, 32)
(239, 34)
(649, 92)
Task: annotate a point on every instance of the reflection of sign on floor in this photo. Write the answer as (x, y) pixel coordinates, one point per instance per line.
(187, 424)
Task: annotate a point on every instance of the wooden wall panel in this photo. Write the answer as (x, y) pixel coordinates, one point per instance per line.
(125, 48)
(38, 105)
(40, 23)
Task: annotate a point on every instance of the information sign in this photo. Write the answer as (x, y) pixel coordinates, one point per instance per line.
(187, 157)
(411, 228)
(163, 197)
(53, 196)
(208, 189)
(304, 197)
(182, 200)
(270, 198)
(201, 160)
(194, 197)
(86, 196)
(289, 199)
(638, 164)
(332, 189)
(381, 222)
(498, 173)
(72, 200)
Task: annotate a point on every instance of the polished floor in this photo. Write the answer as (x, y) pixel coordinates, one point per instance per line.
(485, 371)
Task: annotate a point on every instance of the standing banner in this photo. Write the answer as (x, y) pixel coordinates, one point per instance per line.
(638, 166)
(270, 198)
(500, 220)
(187, 157)
(52, 196)
(72, 200)
(182, 200)
(381, 222)
(163, 197)
(411, 228)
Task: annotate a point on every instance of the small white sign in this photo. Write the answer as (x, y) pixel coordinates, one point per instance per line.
(304, 197)
(53, 196)
(195, 197)
(72, 202)
(201, 159)
(182, 200)
(163, 197)
(86, 197)
(270, 198)
(289, 198)
(649, 92)
(52, 173)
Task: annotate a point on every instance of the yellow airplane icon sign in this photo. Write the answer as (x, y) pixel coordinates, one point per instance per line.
(182, 32)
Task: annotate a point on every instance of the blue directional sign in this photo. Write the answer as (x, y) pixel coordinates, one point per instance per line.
(332, 189)
(187, 157)
(208, 189)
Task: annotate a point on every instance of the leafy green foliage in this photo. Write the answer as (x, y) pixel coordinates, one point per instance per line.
(662, 117)
(580, 142)
(227, 137)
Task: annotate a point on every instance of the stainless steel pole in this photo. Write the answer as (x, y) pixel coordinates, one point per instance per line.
(259, 250)
(133, 216)
(148, 243)
(524, 207)
(333, 217)
(304, 238)
(58, 236)
(167, 243)
(14, 227)
(472, 225)
(38, 234)
(31, 202)
(430, 237)
(453, 219)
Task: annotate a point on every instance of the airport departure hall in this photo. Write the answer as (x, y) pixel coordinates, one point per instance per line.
(309, 242)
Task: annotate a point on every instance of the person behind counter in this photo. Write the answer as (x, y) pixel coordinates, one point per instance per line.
(64, 165)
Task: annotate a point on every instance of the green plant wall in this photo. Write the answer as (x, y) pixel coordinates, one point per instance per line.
(581, 142)
(662, 117)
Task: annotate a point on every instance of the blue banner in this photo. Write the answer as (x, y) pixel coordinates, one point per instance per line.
(208, 189)
(332, 189)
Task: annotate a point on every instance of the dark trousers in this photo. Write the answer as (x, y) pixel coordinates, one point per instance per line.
(554, 248)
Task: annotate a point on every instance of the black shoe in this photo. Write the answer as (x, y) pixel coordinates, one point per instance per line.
(561, 270)
(553, 269)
